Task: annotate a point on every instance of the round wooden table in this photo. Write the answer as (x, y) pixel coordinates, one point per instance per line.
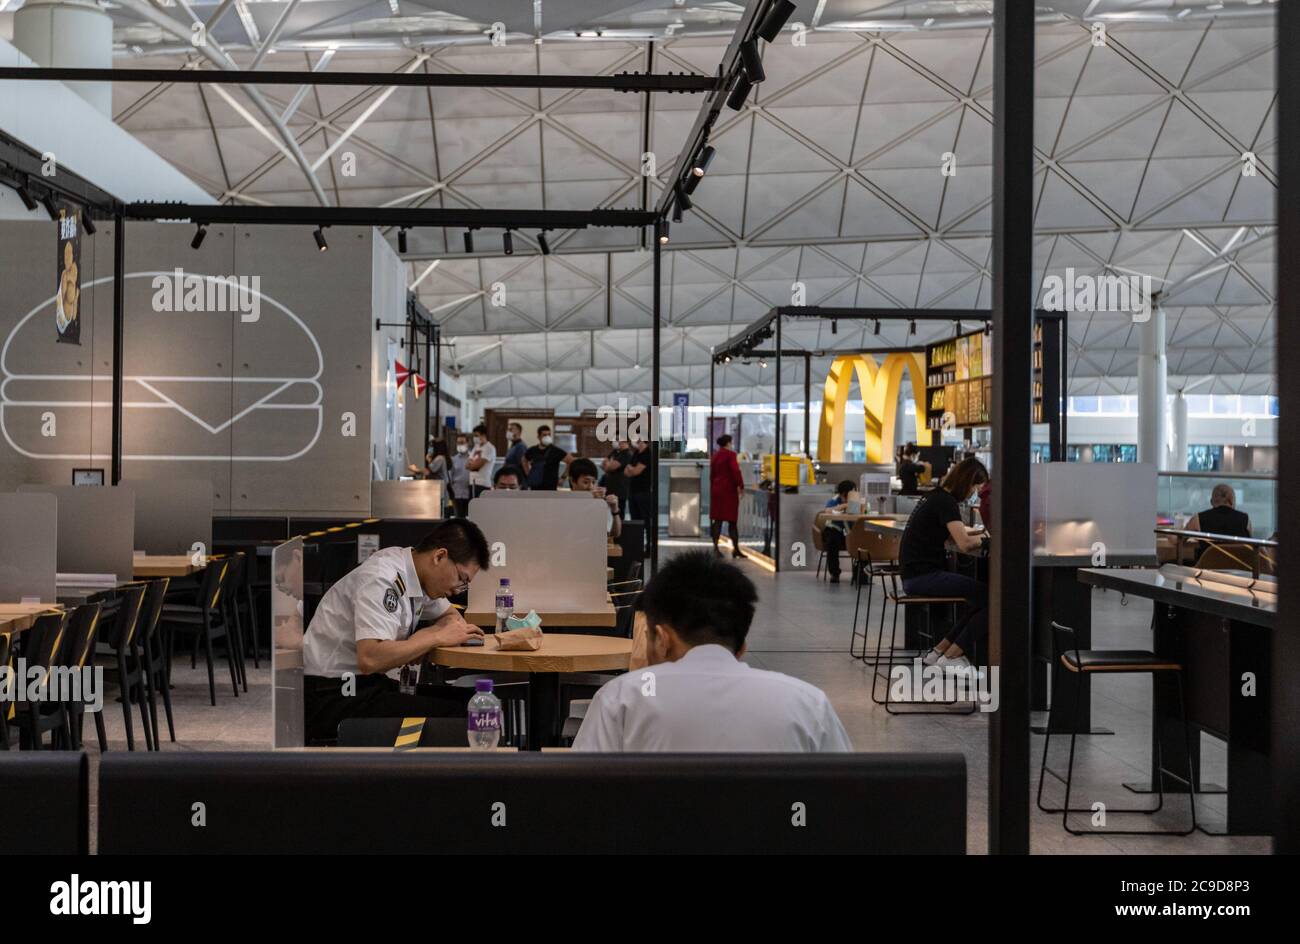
(561, 653)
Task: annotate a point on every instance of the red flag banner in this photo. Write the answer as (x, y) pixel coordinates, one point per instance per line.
(419, 383)
(402, 372)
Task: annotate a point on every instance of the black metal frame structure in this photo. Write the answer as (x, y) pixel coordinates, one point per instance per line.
(687, 83)
(745, 344)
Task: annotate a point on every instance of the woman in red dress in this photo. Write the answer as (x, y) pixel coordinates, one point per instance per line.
(725, 488)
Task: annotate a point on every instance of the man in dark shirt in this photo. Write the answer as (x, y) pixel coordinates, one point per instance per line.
(910, 468)
(515, 451)
(542, 462)
(616, 482)
(639, 472)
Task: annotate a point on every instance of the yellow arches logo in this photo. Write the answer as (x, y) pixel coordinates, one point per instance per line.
(879, 386)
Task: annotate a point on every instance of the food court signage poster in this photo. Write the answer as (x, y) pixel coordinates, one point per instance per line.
(67, 299)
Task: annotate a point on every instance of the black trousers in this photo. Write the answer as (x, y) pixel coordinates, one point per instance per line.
(833, 541)
(462, 507)
(643, 510)
(376, 696)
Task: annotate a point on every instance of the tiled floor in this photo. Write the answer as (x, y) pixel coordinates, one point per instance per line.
(802, 629)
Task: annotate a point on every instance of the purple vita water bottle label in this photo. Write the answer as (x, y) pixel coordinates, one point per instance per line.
(484, 720)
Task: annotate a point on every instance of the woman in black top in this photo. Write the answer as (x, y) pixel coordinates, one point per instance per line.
(923, 557)
(909, 469)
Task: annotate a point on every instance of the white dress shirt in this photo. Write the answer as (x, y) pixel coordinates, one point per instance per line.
(710, 701)
(482, 476)
(380, 599)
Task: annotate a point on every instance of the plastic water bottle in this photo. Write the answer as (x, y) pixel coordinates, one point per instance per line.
(484, 717)
(505, 604)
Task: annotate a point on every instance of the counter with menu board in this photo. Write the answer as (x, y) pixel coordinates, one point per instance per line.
(959, 381)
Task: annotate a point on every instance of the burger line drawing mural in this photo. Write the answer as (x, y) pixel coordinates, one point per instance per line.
(285, 407)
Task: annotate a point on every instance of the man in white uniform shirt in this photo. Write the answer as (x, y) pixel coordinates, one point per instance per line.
(697, 694)
(367, 627)
(482, 456)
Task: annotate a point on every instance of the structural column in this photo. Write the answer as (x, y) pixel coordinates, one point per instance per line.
(1178, 434)
(1153, 369)
(1284, 667)
(69, 33)
(1013, 332)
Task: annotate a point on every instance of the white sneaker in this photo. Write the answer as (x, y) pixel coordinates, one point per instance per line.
(931, 657)
(959, 664)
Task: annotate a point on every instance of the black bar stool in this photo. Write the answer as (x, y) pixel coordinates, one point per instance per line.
(1065, 649)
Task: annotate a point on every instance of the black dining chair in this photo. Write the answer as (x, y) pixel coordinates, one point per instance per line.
(6, 650)
(123, 637)
(153, 652)
(204, 621)
(79, 653)
(1080, 662)
(42, 644)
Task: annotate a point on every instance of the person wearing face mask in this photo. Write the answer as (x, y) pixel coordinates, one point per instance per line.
(517, 448)
(384, 616)
(459, 476)
(482, 456)
(542, 462)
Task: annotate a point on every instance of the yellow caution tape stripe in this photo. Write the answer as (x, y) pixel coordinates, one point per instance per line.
(408, 735)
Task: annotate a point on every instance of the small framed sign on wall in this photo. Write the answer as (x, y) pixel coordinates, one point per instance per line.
(87, 476)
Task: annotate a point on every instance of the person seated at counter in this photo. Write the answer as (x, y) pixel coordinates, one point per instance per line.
(835, 534)
(364, 630)
(696, 694)
(923, 559)
(508, 478)
(910, 468)
(582, 478)
(1222, 517)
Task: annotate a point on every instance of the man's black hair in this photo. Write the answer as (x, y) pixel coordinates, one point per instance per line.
(724, 440)
(480, 428)
(543, 429)
(462, 539)
(508, 470)
(580, 467)
(845, 487)
(706, 600)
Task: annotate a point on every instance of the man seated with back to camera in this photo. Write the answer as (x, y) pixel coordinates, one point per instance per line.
(697, 694)
(368, 627)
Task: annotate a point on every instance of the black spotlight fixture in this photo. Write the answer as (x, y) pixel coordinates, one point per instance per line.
(911, 326)
(683, 200)
(726, 359)
(702, 161)
(752, 62)
(543, 245)
(877, 331)
(677, 211)
(779, 12)
(51, 209)
(87, 223)
(663, 232)
(319, 235)
(469, 240)
(835, 326)
(507, 243)
(199, 233)
(26, 197)
(736, 100)
(988, 328)
(401, 241)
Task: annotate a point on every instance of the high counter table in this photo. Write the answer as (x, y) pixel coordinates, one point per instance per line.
(560, 654)
(1219, 633)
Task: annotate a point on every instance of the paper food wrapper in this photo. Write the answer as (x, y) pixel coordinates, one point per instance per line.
(526, 640)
